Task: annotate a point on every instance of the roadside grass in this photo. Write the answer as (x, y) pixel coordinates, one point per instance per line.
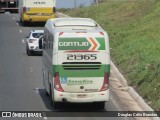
(133, 28)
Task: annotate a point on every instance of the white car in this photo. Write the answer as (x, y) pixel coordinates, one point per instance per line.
(32, 42)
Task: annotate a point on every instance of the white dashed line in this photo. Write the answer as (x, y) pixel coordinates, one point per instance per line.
(44, 114)
(13, 18)
(23, 41)
(7, 13)
(17, 23)
(31, 69)
(37, 90)
(20, 31)
(45, 118)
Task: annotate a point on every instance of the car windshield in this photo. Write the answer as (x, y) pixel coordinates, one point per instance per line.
(37, 35)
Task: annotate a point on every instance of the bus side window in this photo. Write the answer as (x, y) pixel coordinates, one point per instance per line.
(52, 42)
(44, 40)
(47, 40)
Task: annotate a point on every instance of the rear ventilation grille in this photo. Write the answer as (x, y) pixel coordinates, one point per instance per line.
(81, 65)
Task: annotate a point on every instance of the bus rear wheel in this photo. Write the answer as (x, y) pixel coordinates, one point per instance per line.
(54, 104)
(100, 105)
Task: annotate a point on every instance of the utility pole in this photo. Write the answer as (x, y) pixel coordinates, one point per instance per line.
(75, 4)
(97, 2)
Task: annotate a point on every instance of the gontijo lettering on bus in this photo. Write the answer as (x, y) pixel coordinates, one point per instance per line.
(73, 43)
(88, 43)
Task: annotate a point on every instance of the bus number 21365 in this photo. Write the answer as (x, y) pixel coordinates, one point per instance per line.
(81, 57)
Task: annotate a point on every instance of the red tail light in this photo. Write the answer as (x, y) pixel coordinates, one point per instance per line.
(54, 9)
(101, 33)
(57, 84)
(24, 10)
(105, 85)
(61, 33)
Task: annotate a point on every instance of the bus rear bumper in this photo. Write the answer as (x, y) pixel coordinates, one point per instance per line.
(81, 97)
(37, 18)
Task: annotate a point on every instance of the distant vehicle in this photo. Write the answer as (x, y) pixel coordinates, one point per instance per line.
(32, 42)
(36, 10)
(9, 5)
(76, 61)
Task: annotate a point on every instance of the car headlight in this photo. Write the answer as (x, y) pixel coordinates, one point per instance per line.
(31, 40)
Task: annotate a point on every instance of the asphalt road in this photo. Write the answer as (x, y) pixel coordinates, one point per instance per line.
(21, 85)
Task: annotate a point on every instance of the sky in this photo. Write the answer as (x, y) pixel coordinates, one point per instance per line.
(71, 3)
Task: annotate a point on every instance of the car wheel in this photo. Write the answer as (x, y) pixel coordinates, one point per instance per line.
(29, 53)
(20, 20)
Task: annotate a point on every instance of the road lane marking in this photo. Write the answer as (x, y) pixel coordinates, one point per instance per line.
(23, 41)
(7, 13)
(44, 114)
(17, 23)
(45, 118)
(31, 69)
(20, 31)
(37, 90)
(13, 18)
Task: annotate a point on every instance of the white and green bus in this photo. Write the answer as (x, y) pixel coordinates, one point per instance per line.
(76, 61)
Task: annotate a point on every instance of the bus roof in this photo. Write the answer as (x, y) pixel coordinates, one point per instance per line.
(62, 22)
(72, 25)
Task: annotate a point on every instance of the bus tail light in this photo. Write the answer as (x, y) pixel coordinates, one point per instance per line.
(24, 10)
(61, 33)
(54, 9)
(101, 33)
(57, 84)
(105, 85)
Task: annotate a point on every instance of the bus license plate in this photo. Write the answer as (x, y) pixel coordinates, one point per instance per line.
(39, 13)
(82, 96)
